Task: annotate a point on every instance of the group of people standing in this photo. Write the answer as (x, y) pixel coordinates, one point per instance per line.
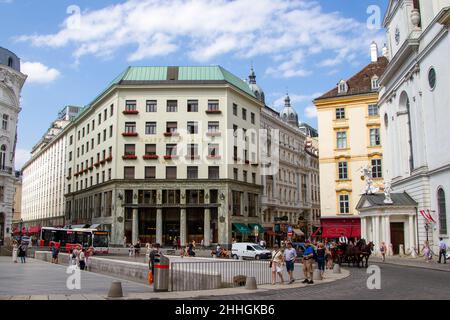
(81, 257)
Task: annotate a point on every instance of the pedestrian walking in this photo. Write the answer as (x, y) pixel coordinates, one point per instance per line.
(137, 248)
(289, 257)
(427, 252)
(15, 249)
(277, 264)
(383, 250)
(308, 257)
(89, 253)
(442, 250)
(321, 257)
(82, 259)
(55, 253)
(155, 256)
(23, 252)
(329, 255)
(75, 254)
(131, 250)
(124, 242)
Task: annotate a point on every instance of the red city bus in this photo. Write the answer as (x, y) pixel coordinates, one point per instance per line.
(68, 239)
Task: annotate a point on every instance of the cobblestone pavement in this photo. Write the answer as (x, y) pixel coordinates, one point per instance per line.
(397, 282)
(418, 262)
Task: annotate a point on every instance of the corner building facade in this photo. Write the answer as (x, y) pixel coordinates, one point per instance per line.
(155, 157)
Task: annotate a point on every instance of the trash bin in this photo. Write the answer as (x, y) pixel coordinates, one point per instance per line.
(161, 276)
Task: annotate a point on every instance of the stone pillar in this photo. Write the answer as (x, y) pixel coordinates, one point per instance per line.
(183, 227)
(135, 226)
(363, 228)
(376, 233)
(388, 237)
(383, 229)
(411, 233)
(207, 228)
(159, 226)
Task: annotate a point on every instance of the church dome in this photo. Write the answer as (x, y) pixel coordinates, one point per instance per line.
(288, 113)
(256, 89)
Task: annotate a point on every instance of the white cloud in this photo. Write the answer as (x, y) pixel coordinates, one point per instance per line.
(22, 156)
(311, 112)
(287, 31)
(39, 73)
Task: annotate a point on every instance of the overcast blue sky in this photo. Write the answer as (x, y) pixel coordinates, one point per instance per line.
(72, 49)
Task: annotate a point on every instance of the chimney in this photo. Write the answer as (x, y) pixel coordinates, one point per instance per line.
(373, 52)
(385, 51)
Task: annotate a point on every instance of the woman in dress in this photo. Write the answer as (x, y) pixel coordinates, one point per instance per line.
(14, 251)
(383, 250)
(277, 263)
(426, 251)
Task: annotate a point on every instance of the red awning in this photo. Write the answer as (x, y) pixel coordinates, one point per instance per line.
(333, 228)
(34, 230)
(316, 232)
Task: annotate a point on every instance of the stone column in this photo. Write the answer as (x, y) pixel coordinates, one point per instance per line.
(411, 232)
(364, 228)
(376, 233)
(383, 229)
(183, 227)
(159, 226)
(135, 226)
(207, 228)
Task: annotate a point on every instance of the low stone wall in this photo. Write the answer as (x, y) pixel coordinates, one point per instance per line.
(138, 272)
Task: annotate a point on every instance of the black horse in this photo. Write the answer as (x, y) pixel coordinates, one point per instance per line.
(366, 251)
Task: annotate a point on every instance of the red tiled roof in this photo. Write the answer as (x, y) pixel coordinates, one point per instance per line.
(360, 83)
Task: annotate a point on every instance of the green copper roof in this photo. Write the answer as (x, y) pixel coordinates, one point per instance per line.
(205, 73)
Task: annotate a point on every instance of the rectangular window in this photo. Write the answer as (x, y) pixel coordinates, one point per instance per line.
(244, 114)
(171, 149)
(130, 149)
(373, 110)
(192, 127)
(171, 172)
(343, 170)
(172, 106)
(130, 127)
(130, 105)
(128, 173)
(213, 173)
(245, 175)
(341, 142)
(150, 149)
(376, 168)
(87, 129)
(235, 174)
(150, 128)
(213, 126)
(340, 113)
(235, 109)
(99, 118)
(110, 131)
(213, 149)
(375, 137)
(344, 204)
(192, 150)
(93, 124)
(171, 127)
(192, 172)
(83, 130)
(150, 172)
(254, 178)
(104, 135)
(105, 114)
(151, 106)
(111, 110)
(236, 196)
(70, 156)
(71, 140)
(192, 106)
(252, 118)
(213, 105)
(109, 175)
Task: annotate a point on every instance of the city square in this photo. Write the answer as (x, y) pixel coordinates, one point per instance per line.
(269, 150)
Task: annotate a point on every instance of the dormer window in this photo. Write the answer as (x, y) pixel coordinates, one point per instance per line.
(375, 83)
(342, 87)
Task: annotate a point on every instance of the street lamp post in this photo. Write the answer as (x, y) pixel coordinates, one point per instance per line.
(427, 227)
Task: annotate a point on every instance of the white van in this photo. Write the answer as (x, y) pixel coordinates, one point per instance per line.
(249, 250)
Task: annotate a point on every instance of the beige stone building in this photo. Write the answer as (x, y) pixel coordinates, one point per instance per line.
(349, 139)
(159, 155)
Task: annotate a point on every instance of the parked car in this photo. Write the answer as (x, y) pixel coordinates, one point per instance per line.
(248, 250)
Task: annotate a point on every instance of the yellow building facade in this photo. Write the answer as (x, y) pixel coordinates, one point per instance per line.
(349, 139)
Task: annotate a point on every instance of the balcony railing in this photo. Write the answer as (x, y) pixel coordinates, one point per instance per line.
(213, 111)
(213, 134)
(171, 134)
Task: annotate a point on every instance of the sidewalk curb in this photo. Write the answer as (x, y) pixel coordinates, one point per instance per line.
(410, 266)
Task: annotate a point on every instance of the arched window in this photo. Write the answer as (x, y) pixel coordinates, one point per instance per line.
(2, 157)
(405, 105)
(10, 62)
(442, 211)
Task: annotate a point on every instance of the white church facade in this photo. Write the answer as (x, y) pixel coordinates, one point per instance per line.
(415, 111)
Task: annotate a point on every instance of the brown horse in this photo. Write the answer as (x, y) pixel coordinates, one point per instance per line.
(366, 251)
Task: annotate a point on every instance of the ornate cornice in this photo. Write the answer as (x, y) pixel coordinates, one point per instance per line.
(12, 80)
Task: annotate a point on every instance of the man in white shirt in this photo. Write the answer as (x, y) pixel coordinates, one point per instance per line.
(343, 239)
(442, 250)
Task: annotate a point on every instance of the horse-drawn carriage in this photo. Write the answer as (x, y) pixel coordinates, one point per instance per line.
(357, 255)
